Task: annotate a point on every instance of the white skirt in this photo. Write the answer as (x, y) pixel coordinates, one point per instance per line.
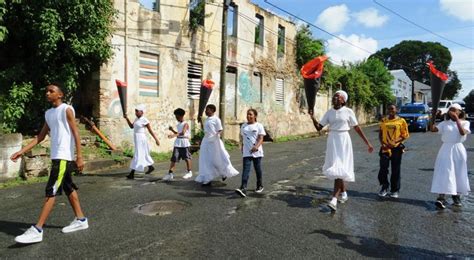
(214, 161)
(450, 171)
(339, 161)
(141, 155)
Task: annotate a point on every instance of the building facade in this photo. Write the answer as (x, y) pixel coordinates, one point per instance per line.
(402, 89)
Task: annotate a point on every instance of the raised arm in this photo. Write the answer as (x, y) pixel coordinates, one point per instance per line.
(130, 124)
(362, 135)
(38, 139)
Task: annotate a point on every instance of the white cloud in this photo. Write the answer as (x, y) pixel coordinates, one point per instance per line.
(370, 17)
(334, 18)
(463, 63)
(341, 51)
(461, 9)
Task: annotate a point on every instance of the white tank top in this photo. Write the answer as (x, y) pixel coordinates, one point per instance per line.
(62, 140)
(182, 141)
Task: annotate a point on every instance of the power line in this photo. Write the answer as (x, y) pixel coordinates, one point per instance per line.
(333, 35)
(419, 26)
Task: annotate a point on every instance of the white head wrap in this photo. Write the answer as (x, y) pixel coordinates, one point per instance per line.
(140, 107)
(456, 105)
(343, 94)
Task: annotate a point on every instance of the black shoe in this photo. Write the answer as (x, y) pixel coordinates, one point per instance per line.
(224, 178)
(150, 169)
(242, 192)
(457, 201)
(208, 184)
(440, 204)
(131, 175)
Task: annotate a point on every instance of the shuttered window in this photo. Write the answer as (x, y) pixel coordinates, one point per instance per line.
(194, 79)
(279, 91)
(149, 74)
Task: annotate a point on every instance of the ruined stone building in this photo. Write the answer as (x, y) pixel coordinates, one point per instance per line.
(166, 57)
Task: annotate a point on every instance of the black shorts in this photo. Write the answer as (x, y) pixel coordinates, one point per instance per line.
(180, 153)
(60, 178)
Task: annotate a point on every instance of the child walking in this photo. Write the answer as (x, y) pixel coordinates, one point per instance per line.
(214, 161)
(450, 170)
(251, 134)
(60, 124)
(339, 161)
(181, 145)
(141, 155)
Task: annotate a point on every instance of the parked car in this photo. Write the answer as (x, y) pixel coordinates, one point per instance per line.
(470, 115)
(443, 108)
(417, 116)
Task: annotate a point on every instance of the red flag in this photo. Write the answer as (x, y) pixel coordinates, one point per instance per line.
(436, 72)
(120, 83)
(313, 69)
(208, 83)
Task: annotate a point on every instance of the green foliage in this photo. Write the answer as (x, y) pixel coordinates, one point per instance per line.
(128, 152)
(102, 147)
(452, 86)
(18, 181)
(12, 105)
(380, 80)
(197, 15)
(469, 100)
(52, 41)
(3, 29)
(197, 137)
(307, 47)
(160, 157)
(415, 54)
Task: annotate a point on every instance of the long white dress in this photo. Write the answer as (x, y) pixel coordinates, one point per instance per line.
(339, 160)
(450, 171)
(141, 156)
(214, 161)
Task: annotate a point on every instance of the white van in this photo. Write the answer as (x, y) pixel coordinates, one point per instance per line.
(443, 108)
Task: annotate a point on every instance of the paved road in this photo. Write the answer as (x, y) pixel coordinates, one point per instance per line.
(290, 220)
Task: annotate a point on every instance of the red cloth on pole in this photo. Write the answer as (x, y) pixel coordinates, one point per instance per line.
(313, 69)
(436, 72)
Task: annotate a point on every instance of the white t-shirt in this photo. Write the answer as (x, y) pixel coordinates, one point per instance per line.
(139, 125)
(62, 140)
(182, 141)
(250, 133)
(212, 126)
(341, 119)
(450, 133)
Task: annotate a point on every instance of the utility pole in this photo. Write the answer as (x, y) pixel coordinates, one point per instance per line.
(222, 101)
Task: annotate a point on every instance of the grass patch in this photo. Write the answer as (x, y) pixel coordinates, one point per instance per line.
(231, 145)
(19, 181)
(160, 157)
(290, 138)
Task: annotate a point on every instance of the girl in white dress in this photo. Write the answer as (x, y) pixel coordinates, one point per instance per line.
(450, 170)
(141, 155)
(339, 161)
(214, 161)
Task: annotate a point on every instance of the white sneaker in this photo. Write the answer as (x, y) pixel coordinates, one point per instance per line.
(343, 199)
(32, 235)
(188, 175)
(333, 204)
(168, 177)
(76, 225)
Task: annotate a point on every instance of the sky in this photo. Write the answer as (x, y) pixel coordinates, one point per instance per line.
(372, 27)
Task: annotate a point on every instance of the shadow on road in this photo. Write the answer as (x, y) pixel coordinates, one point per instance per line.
(374, 247)
(17, 228)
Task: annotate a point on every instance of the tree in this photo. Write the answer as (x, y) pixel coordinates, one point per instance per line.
(452, 86)
(3, 29)
(469, 100)
(307, 47)
(411, 56)
(380, 80)
(49, 41)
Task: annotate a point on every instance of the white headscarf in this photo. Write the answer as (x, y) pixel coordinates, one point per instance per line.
(140, 107)
(343, 94)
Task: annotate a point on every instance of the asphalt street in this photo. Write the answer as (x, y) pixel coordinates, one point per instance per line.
(289, 220)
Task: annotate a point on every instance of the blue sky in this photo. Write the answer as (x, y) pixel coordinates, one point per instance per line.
(370, 26)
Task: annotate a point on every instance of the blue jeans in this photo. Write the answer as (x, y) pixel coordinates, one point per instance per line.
(246, 171)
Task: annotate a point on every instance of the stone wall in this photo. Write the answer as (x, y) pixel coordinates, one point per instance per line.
(9, 144)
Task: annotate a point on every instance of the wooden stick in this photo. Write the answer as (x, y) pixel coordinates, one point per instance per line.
(99, 133)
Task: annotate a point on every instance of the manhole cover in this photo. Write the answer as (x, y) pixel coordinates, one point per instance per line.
(161, 207)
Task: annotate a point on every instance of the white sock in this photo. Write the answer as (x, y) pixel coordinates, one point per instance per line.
(344, 194)
(334, 200)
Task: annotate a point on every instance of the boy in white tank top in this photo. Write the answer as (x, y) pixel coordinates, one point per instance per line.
(64, 137)
(181, 145)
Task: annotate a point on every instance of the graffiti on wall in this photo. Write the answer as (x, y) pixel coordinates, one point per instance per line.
(247, 91)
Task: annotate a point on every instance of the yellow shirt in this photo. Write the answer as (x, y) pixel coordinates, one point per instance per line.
(392, 130)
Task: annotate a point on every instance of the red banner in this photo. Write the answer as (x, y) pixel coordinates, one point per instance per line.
(208, 83)
(436, 72)
(313, 69)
